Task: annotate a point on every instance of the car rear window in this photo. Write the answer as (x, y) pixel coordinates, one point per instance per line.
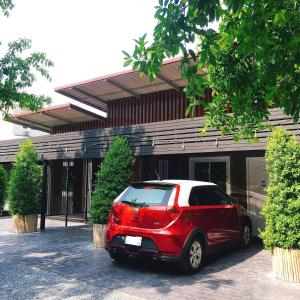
(147, 195)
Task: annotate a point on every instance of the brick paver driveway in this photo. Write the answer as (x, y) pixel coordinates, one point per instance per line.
(61, 263)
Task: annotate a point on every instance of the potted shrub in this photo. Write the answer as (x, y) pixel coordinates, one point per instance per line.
(282, 206)
(24, 188)
(113, 177)
(3, 180)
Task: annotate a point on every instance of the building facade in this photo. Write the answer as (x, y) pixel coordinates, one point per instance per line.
(164, 142)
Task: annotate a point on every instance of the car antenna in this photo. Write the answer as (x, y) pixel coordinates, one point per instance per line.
(157, 175)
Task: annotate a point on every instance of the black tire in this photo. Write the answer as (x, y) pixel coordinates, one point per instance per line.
(246, 235)
(119, 257)
(192, 257)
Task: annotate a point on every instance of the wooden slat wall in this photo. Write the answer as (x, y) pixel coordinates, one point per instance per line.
(167, 137)
(153, 107)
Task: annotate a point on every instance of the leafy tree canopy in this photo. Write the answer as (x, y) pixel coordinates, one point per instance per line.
(252, 62)
(25, 182)
(113, 177)
(18, 72)
(282, 206)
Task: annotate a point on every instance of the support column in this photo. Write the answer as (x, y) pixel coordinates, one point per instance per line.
(44, 197)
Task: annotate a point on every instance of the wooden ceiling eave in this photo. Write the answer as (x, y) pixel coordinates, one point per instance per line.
(85, 101)
(28, 123)
(123, 88)
(66, 121)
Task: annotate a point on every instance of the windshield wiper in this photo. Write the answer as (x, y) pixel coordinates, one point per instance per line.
(129, 202)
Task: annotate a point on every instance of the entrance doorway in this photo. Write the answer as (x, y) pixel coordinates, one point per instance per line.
(257, 180)
(72, 187)
(211, 169)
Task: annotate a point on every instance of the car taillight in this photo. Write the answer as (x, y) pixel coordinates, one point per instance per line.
(114, 216)
(174, 209)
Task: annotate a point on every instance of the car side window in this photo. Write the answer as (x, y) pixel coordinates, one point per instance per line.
(218, 197)
(206, 196)
(193, 197)
(200, 196)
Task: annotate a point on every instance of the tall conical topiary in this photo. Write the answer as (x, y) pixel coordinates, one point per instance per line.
(3, 181)
(282, 206)
(25, 182)
(113, 177)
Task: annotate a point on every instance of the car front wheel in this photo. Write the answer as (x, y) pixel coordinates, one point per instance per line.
(192, 258)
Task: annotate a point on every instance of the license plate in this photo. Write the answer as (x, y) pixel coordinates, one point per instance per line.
(133, 240)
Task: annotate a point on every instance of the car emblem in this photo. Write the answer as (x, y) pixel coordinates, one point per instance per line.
(136, 211)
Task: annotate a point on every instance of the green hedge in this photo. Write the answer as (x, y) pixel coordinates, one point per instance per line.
(25, 182)
(282, 206)
(113, 177)
(3, 182)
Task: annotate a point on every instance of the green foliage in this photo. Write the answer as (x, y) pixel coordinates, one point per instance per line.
(3, 181)
(6, 6)
(252, 61)
(25, 182)
(18, 72)
(113, 177)
(282, 206)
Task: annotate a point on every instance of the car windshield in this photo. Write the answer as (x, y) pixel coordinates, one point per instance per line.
(147, 195)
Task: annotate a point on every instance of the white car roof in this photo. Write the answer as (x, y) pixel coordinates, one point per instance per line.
(185, 189)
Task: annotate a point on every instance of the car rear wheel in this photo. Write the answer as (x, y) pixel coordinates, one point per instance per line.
(246, 235)
(192, 258)
(119, 257)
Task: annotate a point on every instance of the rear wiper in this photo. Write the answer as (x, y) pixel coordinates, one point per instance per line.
(129, 202)
(143, 204)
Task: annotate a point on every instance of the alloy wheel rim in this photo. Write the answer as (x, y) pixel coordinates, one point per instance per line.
(246, 235)
(195, 254)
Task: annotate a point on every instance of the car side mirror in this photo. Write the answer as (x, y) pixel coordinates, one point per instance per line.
(233, 200)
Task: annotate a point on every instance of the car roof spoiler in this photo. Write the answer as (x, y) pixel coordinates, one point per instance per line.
(152, 183)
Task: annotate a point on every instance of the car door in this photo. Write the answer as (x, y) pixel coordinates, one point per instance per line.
(208, 214)
(229, 222)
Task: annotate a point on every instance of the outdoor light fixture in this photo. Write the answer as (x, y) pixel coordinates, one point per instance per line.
(153, 143)
(217, 142)
(183, 146)
(105, 146)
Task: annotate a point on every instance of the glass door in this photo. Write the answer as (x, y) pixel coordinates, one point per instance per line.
(214, 169)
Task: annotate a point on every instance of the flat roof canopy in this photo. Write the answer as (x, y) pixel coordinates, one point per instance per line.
(47, 118)
(96, 92)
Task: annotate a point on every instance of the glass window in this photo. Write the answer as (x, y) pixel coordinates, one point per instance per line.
(211, 172)
(205, 196)
(147, 195)
(202, 171)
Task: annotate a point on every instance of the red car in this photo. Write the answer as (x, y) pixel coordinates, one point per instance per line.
(175, 220)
